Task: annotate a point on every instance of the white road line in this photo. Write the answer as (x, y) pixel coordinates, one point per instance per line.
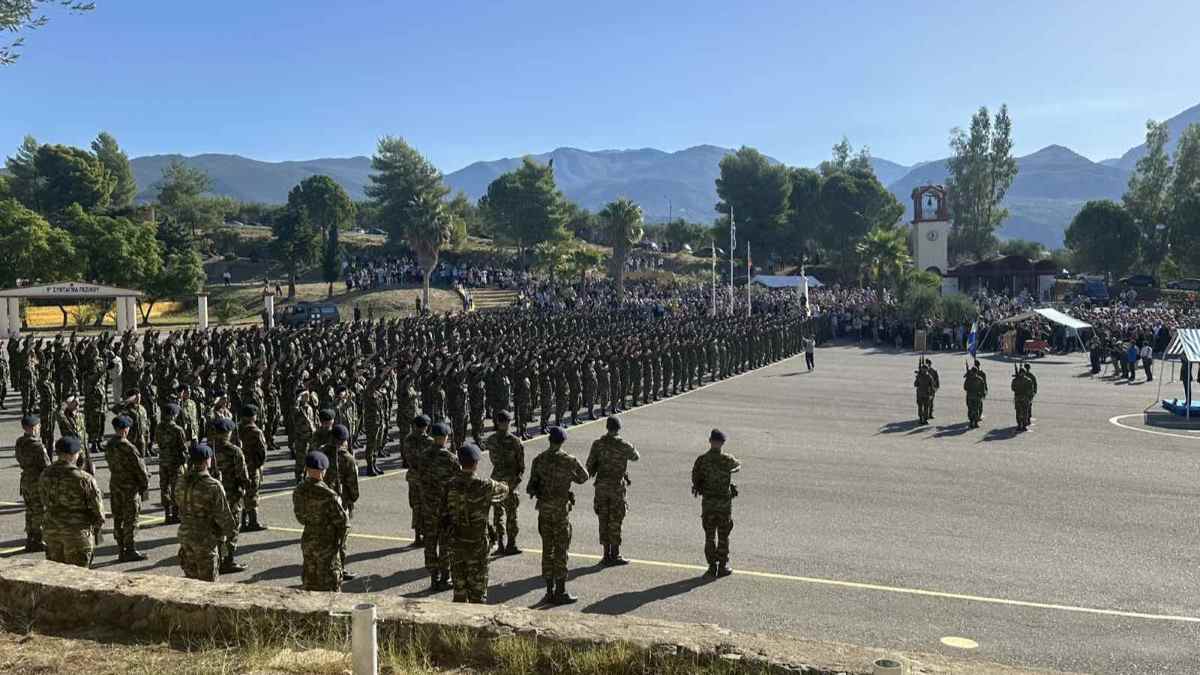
(1116, 421)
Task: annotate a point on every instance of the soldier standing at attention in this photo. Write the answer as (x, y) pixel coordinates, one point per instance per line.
(411, 449)
(373, 410)
(231, 471)
(189, 414)
(254, 448)
(438, 468)
(468, 499)
(342, 476)
(923, 383)
(172, 456)
(608, 463)
(74, 507)
(204, 516)
(31, 457)
(320, 512)
(139, 431)
(937, 384)
(975, 384)
(46, 409)
(303, 425)
(71, 422)
(550, 479)
(128, 485)
(508, 467)
(711, 480)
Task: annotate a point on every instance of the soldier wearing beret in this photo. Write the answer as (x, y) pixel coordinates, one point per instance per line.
(71, 422)
(139, 430)
(204, 516)
(320, 512)
(508, 466)
(31, 457)
(253, 442)
(172, 448)
(412, 448)
(342, 477)
(712, 481)
(468, 500)
(608, 463)
(438, 468)
(550, 479)
(74, 507)
(128, 485)
(231, 471)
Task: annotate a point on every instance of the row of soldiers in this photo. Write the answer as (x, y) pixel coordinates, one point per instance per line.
(975, 384)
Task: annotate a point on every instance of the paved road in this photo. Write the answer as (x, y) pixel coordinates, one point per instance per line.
(1072, 546)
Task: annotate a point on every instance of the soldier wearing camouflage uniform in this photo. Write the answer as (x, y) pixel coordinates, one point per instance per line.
(550, 479)
(235, 479)
(342, 477)
(412, 448)
(320, 512)
(975, 384)
(373, 411)
(468, 499)
(508, 466)
(711, 480)
(72, 422)
(139, 431)
(31, 457)
(438, 468)
(128, 486)
(608, 463)
(304, 423)
(254, 448)
(172, 457)
(204, 517)
(74, 507)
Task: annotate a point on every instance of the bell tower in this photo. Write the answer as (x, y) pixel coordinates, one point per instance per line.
(930, 229)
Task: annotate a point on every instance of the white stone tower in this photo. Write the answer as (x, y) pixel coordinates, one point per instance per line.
(930, 229)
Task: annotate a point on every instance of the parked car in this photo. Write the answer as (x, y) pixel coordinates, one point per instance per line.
(1185, 284)
(310, 314)
(377, 231)
(707, 252)
(1140, 281)
(1095, 289)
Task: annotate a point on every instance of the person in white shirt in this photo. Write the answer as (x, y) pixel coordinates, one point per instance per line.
(1147, 354)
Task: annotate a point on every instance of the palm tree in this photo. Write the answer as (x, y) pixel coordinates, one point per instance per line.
(623, 226)
(427, 232)
(884, 255)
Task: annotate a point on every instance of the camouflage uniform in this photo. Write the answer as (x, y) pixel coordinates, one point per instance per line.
(550, 479)
(975, 384)
(172, 457)
(468, 499)
(411, 451)
(438, 468)
(74, 513)
(235, 479)
(508, 466)
(923, 383)
(205, 521)
(607, 462)
(74, 423)
(319, 510)
(711, 476)
(254, 449)
(304, 423)
(31, 457)
(46, 409)
(128, 485)
(373, 409)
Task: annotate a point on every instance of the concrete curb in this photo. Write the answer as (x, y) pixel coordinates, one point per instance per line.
(52, 597)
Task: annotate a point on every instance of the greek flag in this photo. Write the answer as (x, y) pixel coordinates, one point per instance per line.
(973, 339)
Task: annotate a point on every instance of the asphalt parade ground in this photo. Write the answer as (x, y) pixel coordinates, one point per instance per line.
(1073, 546)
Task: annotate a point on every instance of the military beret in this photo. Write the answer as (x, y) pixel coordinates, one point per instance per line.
(218, 392)
(130, 393)
(613, 424)
(717, 435)
(503, 416)
(421, 420)
(30, 421)
(250, 410)
(340, 432)
(469, 454)
(182, 388)
(122, 422)
(67, 445)
(316, 460)
(439, 429)
(558, 435)
(340, 389)
(199, 452)
(172, 409)
(223, 425)
(326, 415)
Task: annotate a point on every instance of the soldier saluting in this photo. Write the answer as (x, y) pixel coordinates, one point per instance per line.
(712, 481)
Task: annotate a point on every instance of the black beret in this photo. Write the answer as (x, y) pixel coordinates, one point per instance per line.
(717, 435)
(250, 410)
(122, 422)
(316, 460)
(421, 420)
(182, 388)
(469, 454)
(130, 393)
(340, 432)
(67, 445)
(30, 421)
(223, 425)
(326, 415)
(199, 452)
(440, 429)
(172, 409)
(613, 424)
(558, 435)
(341, 388)
(503, 416)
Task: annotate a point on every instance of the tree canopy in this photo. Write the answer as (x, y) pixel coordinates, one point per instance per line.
(981, 171)
(525, 206)
(18, 16)
(1104, 238)
(623, 228)
(116, 162)
(31, 248)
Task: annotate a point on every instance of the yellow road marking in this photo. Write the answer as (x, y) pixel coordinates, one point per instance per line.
(959, 642)
(1116, 421)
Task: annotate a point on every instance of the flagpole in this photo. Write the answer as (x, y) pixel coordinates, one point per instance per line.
(749, 308)
(732, 247)
(713, 246)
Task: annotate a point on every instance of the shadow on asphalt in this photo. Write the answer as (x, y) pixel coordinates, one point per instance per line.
(901, 427)
(1001, 434)
(792, 374)
(623, 603)
(500, 593)
(952, 430)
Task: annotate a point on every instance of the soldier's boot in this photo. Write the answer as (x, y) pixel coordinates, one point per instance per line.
(444, 582)
(615, 558)
(34, 543)
(712, 570)
(561, 596)
(131, 554)
(347, 575)
(511, 548)
(231, 566)
(548, 598)
(172, 517)
(499, 546)
(574, 418)
(435, 581)
(252, 524)
(607, 559)
(418, 540)
(723, 570)
(245, 521)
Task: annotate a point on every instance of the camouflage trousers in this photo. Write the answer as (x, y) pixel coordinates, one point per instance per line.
(924, 407)
(717, 526)
(1024, 410)
(458, 424)
(167, 475)
(322, 569)
(974, 409)
(437, 550)
(300, 446)
(554, 524)
(504, 513)
(469, 570)
(522, 411)
(546, 408)
(34, 509)
(199, 562)
(235, 499)
(250, 499)
(610, 509)
(126, 507)
(414, 505)
(69, 546)
(48, 430)
(375, 439)
(404, 425)
(476, 423)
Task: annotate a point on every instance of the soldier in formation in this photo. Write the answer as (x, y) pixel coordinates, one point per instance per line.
(319, 510)
(508, 467)
(74, 507)
(975, 384)
(1024, 388)
(205, 520)
(128, 487)
(550, 478)
(924, 384)
(608, 464)
(31, 457)
(469, 498)
(712, 481)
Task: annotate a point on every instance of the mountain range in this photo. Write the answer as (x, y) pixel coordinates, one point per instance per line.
(1051, 184)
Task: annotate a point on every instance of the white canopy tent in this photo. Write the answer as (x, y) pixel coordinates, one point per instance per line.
(1050, 314)
(1186, 346)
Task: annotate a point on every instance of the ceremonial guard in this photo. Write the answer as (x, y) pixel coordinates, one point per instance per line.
(712, 476)
(468, 500)
(608, 463)
(550, 478)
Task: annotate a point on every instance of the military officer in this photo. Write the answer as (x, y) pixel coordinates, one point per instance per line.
(508, 466)
(468, 499)
(204, 516)
(712, 481)
(550, 479)
(608, 463)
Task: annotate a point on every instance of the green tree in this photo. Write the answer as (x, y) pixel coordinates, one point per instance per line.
(116, 162)
(1146, 198)
(1103, 238)
(958, 310)
(623, 227)
(680, 232)
(68, 175)
(1024, 248)
(804, 212)
(31, 248)
(584, 260)
(922, 304)
(758, 192)
(182, 274)
(297, 241)
(525, 206)
(409, 192)
(24, 183)
(852, 203)
(329, 209)
(17, 16)
(1185, 234)
(981, 171)
(845, 159)
(115, 250)
(884, 254)
(465, 218)
(184, 207)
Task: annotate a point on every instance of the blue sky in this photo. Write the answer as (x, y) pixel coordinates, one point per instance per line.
(465, 81)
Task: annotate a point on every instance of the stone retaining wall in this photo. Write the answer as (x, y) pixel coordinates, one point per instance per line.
(52, 597)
